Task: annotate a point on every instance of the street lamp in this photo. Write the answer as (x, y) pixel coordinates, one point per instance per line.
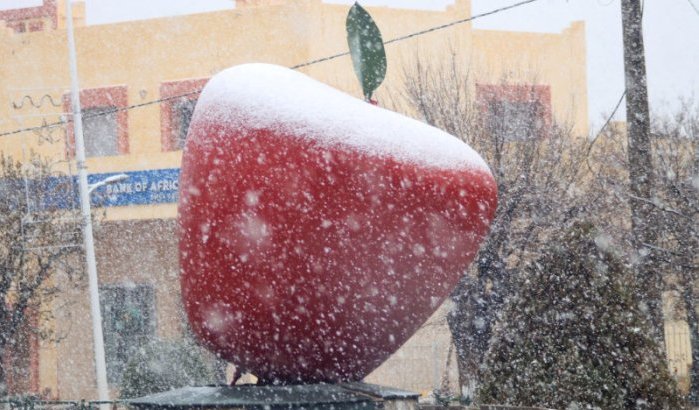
(86, 215)
(106, 181)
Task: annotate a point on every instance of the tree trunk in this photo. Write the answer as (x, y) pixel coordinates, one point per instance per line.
(690, 305)
(477, 303)
(640, 163)
(3, 381)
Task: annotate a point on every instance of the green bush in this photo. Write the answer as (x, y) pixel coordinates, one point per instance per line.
(575, 336)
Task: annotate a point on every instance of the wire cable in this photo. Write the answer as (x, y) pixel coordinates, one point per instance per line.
(611, 116)
(422, 32)
(294, 67)
(696, 9)
(601, 130)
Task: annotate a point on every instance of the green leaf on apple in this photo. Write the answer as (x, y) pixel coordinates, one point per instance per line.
(366, 48)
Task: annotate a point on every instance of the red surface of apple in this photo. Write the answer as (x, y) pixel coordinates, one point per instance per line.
(318, 232)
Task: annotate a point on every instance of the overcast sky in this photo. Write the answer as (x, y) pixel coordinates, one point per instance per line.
(671, 29)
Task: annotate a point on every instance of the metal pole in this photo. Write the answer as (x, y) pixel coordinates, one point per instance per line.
(88, 239)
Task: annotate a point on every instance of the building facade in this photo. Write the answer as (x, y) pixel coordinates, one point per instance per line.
(139, 83)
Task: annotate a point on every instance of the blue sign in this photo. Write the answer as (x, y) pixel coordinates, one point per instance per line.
(158, 186)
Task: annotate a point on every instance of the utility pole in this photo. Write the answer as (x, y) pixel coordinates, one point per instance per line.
(639, 150)
(88, 239)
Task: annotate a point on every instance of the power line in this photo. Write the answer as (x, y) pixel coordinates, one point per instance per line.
(98, 114)
(422, 32)
(466, 20)
(696, 10)
(295, 67)
(604, 127)
(611, 116)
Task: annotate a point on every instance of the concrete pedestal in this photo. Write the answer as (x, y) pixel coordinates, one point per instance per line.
(307, 397)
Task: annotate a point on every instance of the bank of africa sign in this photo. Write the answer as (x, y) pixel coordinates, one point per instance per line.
(156, 186)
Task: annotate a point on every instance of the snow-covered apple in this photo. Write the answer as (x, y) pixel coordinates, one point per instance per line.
(319, 232)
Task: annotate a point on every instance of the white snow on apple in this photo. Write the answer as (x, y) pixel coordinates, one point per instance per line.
(266, 96)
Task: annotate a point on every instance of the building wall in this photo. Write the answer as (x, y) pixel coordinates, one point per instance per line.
(128, 253)
(137, 243)
(426, 362)
(557, 60)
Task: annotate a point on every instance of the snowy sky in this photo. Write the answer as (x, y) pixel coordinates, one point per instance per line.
(671, 33)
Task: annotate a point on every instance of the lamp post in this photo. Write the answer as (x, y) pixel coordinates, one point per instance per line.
(86, 214)
(106, 181)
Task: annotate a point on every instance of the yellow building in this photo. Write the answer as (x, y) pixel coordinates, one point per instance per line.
(134, 65)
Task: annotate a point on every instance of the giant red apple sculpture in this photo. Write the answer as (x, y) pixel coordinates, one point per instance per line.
(318, 232)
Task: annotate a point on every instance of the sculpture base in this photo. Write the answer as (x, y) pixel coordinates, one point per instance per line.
(296, 397)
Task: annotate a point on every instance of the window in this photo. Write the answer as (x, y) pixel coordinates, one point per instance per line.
(513, 120)
(182, 111)
(128, 319)
(105, 130)
(100, 131)
(176, 113)
(515, 112)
